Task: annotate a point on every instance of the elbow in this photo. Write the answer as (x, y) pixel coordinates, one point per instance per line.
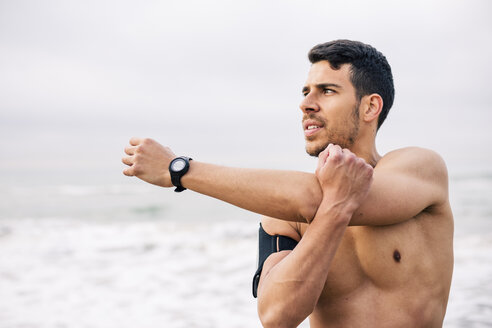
(275, 319)
(282, 315)
(310, 201)
(307, 211)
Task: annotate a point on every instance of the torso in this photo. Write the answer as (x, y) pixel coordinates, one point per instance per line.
(389, 276)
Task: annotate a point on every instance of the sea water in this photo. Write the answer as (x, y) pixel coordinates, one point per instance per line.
(115, 252)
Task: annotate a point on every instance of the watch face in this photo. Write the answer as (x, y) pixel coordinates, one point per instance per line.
(178, 165)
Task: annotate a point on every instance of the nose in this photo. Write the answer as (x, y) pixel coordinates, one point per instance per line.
(309, 104)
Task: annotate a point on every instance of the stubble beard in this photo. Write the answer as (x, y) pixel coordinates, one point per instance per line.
(344, 139)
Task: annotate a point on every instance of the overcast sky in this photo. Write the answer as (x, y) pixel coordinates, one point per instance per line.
(222, 79)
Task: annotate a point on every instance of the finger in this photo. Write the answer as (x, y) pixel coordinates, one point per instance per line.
(129, 171)
(347, 151)
(130, 150)
(335, 147)
(368, 173)
(327, 149)
(335, 152)
(134, 141)
(322, 157)
(348, 155)
(128, 160)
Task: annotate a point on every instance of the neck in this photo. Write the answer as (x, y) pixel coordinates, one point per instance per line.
(365, 143)
(366, 148)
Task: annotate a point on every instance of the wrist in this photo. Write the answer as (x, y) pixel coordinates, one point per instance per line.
(177, 169)
(338, 211)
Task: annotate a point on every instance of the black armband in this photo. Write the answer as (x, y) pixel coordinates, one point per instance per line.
(267, 245)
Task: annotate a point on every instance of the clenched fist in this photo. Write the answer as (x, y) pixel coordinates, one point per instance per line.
(148, 160)
(344, 177)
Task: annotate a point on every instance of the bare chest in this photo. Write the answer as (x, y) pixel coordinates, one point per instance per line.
(385, 257)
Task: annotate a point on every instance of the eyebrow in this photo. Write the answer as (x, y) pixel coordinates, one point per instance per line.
(323, 86)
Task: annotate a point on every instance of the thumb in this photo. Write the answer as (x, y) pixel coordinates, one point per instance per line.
(322, 157)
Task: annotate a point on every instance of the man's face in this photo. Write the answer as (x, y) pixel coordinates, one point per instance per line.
(330, 108)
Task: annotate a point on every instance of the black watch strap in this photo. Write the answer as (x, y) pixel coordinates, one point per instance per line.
(176, 175)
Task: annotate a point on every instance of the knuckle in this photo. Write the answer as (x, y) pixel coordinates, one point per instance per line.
(139, 150)
(147, 141)
(137, 169)
(349, 158)
(335, 156)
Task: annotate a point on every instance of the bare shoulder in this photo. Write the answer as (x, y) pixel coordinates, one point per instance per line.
(412, 154)
(421, 162)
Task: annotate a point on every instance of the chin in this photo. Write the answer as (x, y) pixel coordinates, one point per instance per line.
(314, 149)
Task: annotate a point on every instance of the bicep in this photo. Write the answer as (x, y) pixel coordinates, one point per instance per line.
(270, 255)
(269, 264)
(402, 188)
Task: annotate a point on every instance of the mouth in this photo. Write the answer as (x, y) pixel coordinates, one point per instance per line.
(311, 127)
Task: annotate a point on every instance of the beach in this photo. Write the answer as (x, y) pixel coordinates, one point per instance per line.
(83, 246)
(135, 255)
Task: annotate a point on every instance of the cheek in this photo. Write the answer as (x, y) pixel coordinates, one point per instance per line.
(343, 111)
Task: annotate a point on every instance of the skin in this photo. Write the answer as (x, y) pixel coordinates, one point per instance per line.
(388, 271)
(375, 232)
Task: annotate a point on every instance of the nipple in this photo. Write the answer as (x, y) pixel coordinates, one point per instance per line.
(397, 256)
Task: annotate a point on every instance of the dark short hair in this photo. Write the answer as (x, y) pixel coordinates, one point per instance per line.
(370, 71)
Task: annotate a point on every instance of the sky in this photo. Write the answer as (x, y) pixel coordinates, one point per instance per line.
(221, 80)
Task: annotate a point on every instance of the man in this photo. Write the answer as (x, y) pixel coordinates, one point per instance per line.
(374, 232)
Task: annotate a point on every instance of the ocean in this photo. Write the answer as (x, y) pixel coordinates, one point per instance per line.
(80, 250)
(83, 246)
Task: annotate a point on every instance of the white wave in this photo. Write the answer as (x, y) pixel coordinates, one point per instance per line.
(78, 190)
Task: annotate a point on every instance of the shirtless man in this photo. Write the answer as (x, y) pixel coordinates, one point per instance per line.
(375, 233)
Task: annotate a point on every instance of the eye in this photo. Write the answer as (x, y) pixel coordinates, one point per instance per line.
(328, 91)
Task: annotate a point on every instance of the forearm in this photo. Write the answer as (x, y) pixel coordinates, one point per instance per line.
(289, 291)
(287, 195)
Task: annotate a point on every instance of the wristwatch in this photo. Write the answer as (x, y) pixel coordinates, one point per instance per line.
(178, 167)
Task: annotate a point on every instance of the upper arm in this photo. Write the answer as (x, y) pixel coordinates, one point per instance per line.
(277, 227)
(406, 182)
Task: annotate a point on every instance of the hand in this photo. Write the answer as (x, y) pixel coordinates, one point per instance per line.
(344, 177)
(148, 160)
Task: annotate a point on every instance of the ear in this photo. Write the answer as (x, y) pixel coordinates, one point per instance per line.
(373, 104)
